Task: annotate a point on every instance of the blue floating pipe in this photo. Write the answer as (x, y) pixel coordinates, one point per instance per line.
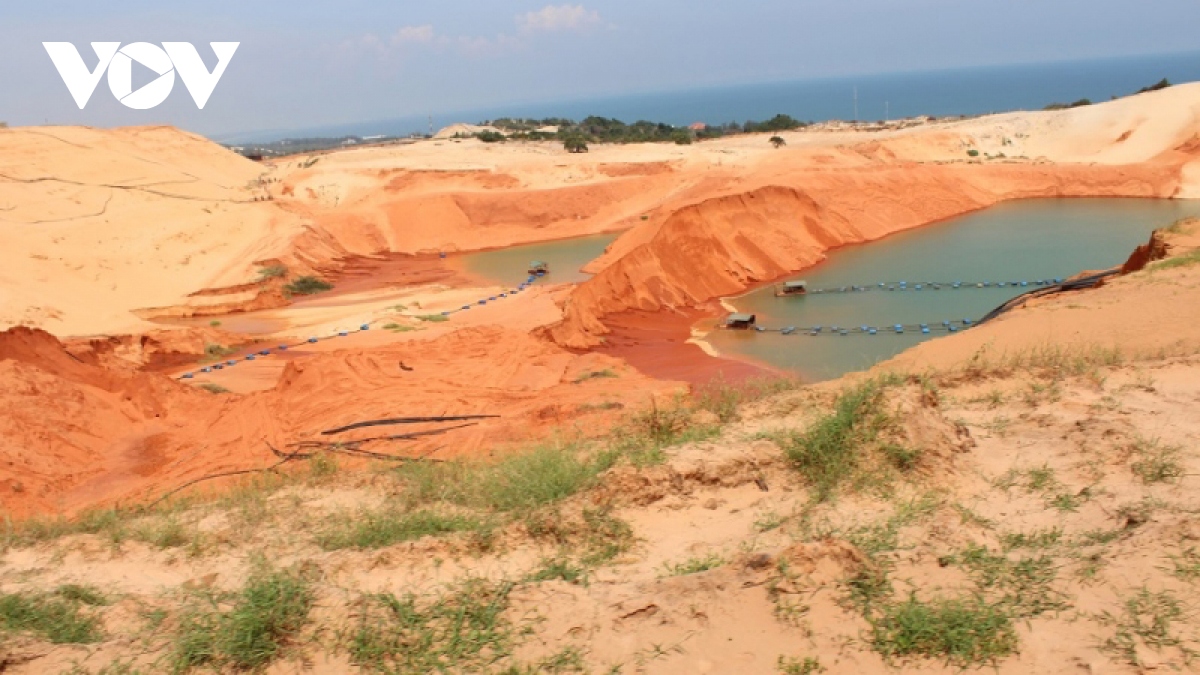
(445, 313)
(953, 329)
(466, 307)
(1002, 284)
(249, 357)
(1024, 283)
(891, 288)
(945, 323)
(917, 287)
(925, 330)
(816, 329)
(845, 332)
(966, 322)
(187, 376)
(206, 370)
(442, 254)
(283, 348)
(231, 363)
(343, 334)
(503, 295)
(788, 330)
(872, 331)
(881, 284)
(863, 328)
(957, 284)
(492, 298)
(1058, 281)
(903, 284)
(483, 302)
(365, 326)
(761, 329)
(899, 328)
(218, 367)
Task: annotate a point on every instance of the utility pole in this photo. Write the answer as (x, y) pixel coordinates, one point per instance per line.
(856, 104)
(431, 125)
(887, 111)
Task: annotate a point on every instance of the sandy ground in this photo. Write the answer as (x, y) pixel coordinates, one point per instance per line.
(110, 236)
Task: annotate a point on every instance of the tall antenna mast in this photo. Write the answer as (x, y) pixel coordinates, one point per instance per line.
(856, 104)
(887, 111)
(431, 125)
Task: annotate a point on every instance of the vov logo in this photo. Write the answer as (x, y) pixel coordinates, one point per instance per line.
(172, 57)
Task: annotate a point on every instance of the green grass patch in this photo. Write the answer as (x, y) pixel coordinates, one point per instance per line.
(58, 617)
(1185, 260)
(461, 630)
(1156, 463)
(272, 272)
(1025, 585)
(524, 481)
(963, 631)
(723, 399)
(399, 328)
(809, 665)
(433, 318)
(246, 630)
(596, 375)
(834, 450)
(215, 352)
(307, 285)
(694, 565)
(1147, 619)
(1186, 565)
(213, 388)
(379, 529)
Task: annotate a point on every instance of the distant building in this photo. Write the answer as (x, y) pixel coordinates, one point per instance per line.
(698, 126)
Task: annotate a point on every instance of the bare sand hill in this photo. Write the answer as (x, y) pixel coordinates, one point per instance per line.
(104, 230)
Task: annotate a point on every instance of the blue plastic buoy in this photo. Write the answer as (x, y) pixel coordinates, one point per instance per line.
(343, 334)
(863, 328)
(483, 302)
(442, 254)
(231, 363)
(872, 331)
(265, 352)
(1058, 281)
(881, 284)
(365, 326)
(503, 295)
(1024, 283)
(249, 357)
(925, 330)
(917, 287)
(966, 322)
(788, 330)
(945, 323)
(891, 288)
(186, 376)
(283, 348)
(760, 329)
(445, 313)
(1002, 284)
(899, 328)
(817, 329)
(492, 298)
(206, 370)
(312, 340)
(953, 329)
(903, 283)
(845, 332)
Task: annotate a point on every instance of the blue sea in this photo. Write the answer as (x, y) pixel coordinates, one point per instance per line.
(941, 93)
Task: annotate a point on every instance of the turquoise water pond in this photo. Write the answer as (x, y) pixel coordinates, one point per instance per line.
(1017, 241)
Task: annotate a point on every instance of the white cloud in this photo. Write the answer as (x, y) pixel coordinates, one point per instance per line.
(557, 17)
(413, 35)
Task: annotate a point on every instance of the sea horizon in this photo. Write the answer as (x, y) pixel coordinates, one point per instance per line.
(970, 91)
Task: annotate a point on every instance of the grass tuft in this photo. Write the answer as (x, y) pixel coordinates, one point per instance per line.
(379, 529)
(56, 617)
(260, 621)
(965, 632)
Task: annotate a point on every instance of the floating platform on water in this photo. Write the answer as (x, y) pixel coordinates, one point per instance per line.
(537, 268)
(795, 287)
(739, 321)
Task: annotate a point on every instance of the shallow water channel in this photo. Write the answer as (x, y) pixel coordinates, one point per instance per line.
(1013, 242)
(564, 258)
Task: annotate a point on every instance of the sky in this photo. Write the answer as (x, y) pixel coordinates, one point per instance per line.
(307, 64)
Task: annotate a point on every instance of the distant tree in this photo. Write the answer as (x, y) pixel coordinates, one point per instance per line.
(681, 137)
(1161, 84)
(778, 142)
(776, 123)
(3, 125)
(575, 144)
(489, 136)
